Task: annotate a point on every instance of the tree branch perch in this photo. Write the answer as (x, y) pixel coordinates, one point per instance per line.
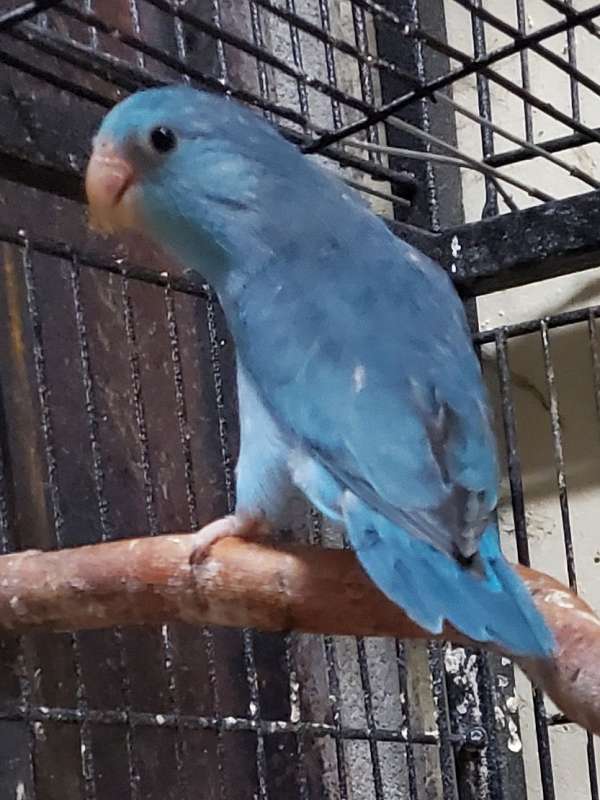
(246, 584)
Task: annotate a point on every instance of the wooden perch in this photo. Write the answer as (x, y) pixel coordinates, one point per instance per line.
(246, 584)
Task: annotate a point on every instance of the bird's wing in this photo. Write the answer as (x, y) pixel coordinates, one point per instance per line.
(377, 377)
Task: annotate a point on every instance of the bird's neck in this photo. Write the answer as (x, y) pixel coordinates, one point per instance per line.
(229, 260)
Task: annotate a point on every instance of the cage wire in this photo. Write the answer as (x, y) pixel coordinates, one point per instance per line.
(473, 127)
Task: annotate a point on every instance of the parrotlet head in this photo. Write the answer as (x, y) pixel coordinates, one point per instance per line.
(166, 155)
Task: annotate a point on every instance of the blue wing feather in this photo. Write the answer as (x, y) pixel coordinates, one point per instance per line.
(379, 356)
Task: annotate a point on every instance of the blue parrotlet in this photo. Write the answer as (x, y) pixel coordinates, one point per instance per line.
(356, 374)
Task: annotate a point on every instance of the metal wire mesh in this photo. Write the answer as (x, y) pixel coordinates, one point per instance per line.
(118, 402)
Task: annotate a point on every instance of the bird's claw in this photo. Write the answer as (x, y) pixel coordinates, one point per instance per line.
(243, 527)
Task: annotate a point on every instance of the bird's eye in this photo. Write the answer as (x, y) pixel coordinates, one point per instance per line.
(162, 139)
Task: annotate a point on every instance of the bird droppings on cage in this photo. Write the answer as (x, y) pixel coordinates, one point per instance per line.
(316, 68)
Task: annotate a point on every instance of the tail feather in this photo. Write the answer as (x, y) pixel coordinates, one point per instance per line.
(431, 587)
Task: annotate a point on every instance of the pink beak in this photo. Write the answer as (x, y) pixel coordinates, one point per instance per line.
(108, 181)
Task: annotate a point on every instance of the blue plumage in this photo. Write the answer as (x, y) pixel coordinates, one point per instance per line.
(357, 375)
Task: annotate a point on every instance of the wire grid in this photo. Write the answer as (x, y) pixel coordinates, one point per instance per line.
(323, 81)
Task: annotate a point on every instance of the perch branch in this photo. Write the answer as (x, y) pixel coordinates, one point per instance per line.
(246, 584)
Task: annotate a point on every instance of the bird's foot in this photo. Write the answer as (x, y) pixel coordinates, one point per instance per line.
(243, 527)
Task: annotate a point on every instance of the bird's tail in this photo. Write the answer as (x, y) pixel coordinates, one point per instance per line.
(432, 587)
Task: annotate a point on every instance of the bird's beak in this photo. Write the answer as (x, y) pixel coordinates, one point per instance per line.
(109, 184)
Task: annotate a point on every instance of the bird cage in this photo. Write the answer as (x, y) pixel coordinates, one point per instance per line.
(473, 127)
